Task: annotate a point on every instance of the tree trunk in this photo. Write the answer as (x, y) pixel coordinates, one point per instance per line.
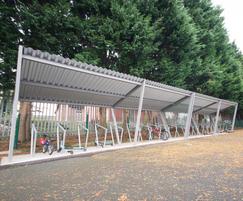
(102, 113)
(146, 118)
(25, 122)
(153, 117)
(125, 119)
(149, 113)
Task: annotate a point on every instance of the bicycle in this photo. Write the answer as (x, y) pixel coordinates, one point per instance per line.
(162, 133)
(47, 145)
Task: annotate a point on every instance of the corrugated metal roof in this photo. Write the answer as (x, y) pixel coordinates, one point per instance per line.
(52, 78)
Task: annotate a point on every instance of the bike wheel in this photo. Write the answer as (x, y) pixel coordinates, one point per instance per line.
(165, 136)
(50, 149)
(44, 149)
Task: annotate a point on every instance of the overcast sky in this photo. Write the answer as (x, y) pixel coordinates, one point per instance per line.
(233, 14)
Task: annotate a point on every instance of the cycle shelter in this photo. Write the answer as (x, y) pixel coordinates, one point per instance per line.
(48, 78)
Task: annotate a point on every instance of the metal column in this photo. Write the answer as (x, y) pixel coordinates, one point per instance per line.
(189, 115)
(139, 112)
(15, 102)
(233, 121)
(217, 118)
(115, 124)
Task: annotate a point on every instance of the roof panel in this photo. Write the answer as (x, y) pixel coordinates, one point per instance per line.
(53, 78)
(36, 93)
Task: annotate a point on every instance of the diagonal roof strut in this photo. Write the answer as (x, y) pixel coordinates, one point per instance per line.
(206, 106)
(128, 94)
(175, 103)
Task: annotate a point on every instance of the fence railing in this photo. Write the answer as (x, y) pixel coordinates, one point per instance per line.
(45, 117)
(239, 123)
(5, 116)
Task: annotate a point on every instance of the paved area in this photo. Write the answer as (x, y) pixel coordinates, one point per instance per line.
(39, 156)
(199, 169)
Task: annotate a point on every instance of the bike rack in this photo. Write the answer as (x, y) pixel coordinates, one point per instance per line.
(120, 134)
(128, 125)
(59, 126)
(150, 130)
(122, 131)
(81, 127)
(212, 122)
(206, 126)
(128, 131)
(176, 134)
(97, 135)
(64, 130)
(33, 139)
(182, 128)
(112, 136)
(195, 129)
(164, 123)
(227, 125)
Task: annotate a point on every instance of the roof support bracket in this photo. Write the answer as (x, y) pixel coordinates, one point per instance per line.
(204, 107)
(15, 102)
(189, 116)
(233, 121)
(136, 137)
(115, 125)
(174, 104)
(128, 94)
(215, 131)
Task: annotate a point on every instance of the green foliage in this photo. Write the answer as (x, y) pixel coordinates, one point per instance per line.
(119, 35)
(9, 39)
(178, 42)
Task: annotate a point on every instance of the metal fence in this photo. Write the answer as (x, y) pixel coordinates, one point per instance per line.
(45, 117)
(5, 115)
(239, 123)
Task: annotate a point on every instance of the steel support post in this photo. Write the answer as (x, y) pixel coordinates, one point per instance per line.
(139, 112)
(79, 138)
(58, 138)
(189, 115)
(66, 113)
(234, 117)
(32, 140)
(115, 124)
(215, 131)
(15, 102)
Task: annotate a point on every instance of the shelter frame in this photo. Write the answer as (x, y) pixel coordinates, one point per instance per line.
(134, 90)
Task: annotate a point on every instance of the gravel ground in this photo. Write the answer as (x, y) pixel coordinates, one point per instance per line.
(200, 169)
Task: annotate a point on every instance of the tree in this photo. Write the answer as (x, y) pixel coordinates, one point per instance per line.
(219, 72)
(176, 38)
(45, 25)
(177, 42)
(117, 35)
(9, 40)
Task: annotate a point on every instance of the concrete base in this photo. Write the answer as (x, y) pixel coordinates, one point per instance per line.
(41, 157)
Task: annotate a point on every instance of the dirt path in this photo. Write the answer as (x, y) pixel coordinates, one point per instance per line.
(200, 169)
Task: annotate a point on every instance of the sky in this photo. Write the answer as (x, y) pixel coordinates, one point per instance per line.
(233, 14)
